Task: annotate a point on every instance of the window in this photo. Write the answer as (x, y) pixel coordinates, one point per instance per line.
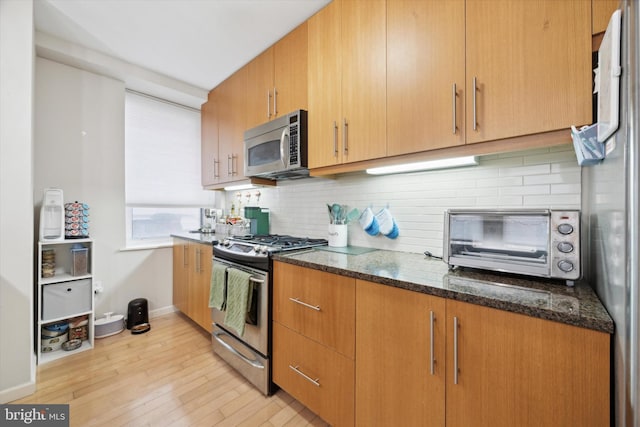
(162, 170)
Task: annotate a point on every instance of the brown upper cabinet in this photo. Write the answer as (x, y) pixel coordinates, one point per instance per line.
(347, 83)
(230, 108)
(425, 75)
(602, 11)
(277, 79)
(209, 156)
(527, 66)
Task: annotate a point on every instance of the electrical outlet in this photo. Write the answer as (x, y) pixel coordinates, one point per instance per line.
(97, 287)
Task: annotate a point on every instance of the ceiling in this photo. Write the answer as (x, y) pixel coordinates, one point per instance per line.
(195, 42)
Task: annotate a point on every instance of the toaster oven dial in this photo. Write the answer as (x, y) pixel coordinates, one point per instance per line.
(565, 247)
(565, 266)
(565, 228)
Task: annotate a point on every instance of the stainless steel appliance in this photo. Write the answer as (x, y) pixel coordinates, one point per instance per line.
(611, 224)
(250, 354)
(544, 243)
(277, 149)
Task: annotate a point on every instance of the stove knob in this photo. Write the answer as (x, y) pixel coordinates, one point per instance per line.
(565, 228)
(226, 242)
(262, 249)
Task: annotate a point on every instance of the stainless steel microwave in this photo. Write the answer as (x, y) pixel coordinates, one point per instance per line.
(543, 243)
(277, 149)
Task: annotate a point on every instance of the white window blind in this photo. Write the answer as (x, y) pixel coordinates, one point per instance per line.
(162, 154)
(163, 187)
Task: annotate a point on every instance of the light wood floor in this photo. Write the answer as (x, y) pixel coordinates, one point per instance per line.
(168, 376)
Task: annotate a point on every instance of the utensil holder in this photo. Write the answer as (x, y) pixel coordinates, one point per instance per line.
(337, 236)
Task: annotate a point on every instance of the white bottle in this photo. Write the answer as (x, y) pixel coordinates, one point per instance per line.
(52, 216)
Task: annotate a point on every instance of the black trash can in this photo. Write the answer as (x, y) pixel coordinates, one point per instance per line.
(138, 316)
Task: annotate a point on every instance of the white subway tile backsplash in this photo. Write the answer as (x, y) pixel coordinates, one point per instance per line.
(540, 178)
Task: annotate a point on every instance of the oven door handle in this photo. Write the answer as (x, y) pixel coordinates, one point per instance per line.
(254, 280)
(255, 363)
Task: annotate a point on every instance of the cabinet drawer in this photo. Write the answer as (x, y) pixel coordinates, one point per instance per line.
(332, 396)
(319, 305)
(65, 299)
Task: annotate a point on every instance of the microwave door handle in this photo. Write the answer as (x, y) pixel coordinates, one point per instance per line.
(284, 155)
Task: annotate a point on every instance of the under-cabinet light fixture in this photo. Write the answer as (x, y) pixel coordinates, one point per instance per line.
(428, 165)
(239, 187)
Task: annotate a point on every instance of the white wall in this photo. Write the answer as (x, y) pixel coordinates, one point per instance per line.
(542, 178)
(79, 147)
(17, 364)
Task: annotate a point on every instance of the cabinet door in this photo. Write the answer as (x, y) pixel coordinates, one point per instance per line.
(210, 167)
(425, 75)
(318, 377)
(518, 370)
(325, 76)
(180, 274)
(316, 304)
(532, 64)
(199, 284)
(394, 382)
(602, 11)
(260, 89)
(290, 72)
(364, 105)
(232, 120)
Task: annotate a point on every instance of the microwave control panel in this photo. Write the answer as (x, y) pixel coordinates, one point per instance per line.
(565, 244)
(293, 145)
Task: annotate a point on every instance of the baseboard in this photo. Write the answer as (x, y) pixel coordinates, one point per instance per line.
(17, 392)
(162, 311)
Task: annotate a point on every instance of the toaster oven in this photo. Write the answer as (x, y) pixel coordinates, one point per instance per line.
(543, 243)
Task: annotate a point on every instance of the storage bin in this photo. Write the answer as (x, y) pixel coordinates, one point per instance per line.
(79, 261)
(66, 299)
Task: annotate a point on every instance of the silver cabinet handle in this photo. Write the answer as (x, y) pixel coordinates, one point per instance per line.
(296, 369)
(216, 170)
(313, 307)
(198, 256)
(268, 104)
(234, 163)
(275, 102)
(229, 165)
(255, 363)
(475, 116)
(455, 350)
(345, 137)
(432, 319)
(335, 139)
(454, 96)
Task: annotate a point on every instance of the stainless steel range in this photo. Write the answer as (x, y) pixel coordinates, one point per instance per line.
(250, 353)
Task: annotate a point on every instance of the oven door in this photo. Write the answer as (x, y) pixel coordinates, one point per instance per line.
(256, 331)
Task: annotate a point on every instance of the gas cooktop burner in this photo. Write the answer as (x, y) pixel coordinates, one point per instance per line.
(283, 241)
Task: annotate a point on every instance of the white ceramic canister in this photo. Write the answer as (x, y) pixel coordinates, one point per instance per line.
(337, 235)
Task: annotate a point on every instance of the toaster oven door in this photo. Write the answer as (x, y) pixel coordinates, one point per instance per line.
(515, 242)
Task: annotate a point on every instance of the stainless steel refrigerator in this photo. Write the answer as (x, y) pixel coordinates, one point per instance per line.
(610, 195)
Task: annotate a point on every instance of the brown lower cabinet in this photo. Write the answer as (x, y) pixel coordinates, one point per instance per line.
(192, 263)
(422, 360)
(512, 369)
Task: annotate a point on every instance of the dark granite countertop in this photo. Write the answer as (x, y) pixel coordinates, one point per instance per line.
(545, 299)
(197, 237)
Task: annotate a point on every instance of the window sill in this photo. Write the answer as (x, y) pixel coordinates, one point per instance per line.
(147, 247)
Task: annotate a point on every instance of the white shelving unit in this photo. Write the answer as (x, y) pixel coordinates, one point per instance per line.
(64, 296)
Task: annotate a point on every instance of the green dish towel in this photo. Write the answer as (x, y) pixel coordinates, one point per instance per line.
(239, 290)
(216, 290)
